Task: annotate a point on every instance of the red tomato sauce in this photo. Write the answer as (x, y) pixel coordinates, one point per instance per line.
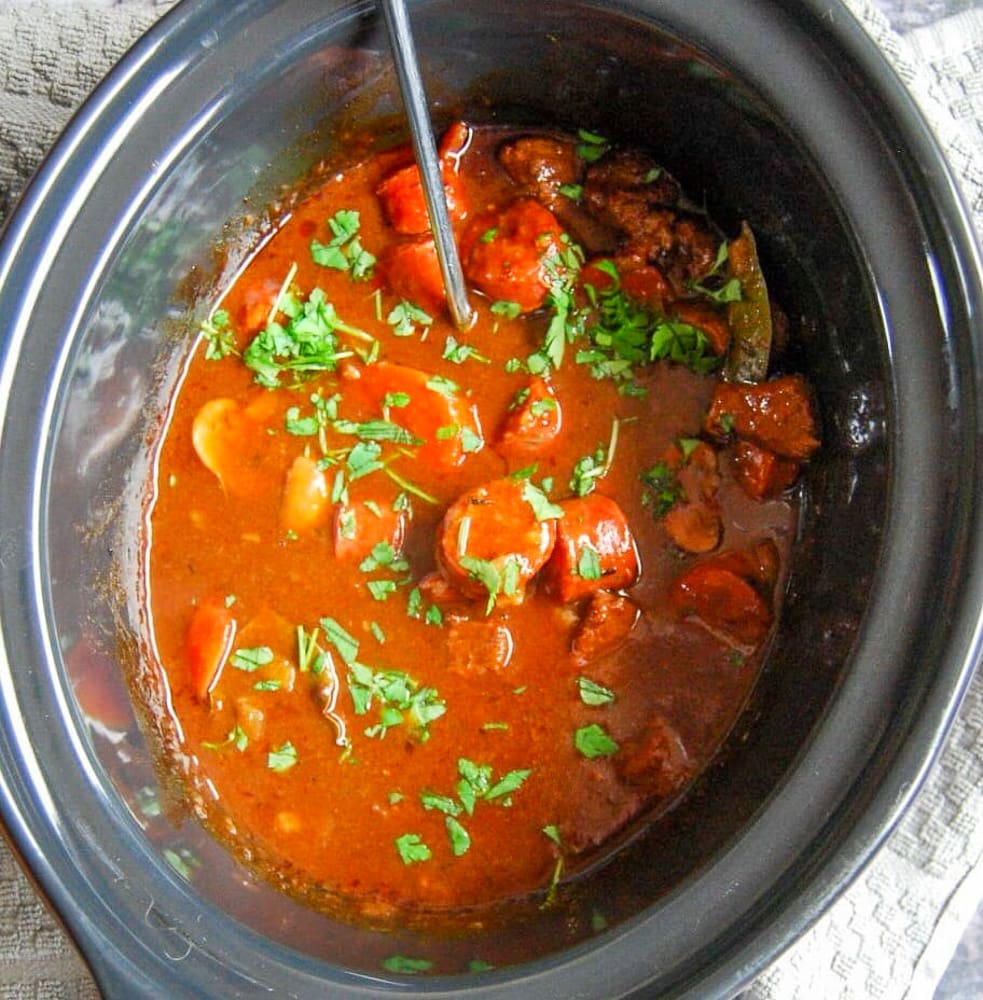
(427, 640)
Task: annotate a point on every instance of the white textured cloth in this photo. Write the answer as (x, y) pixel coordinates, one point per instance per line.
(892, 933)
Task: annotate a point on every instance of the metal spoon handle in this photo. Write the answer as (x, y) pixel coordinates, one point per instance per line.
(411, 87)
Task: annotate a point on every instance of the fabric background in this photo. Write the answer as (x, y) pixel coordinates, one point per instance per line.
(892, 933)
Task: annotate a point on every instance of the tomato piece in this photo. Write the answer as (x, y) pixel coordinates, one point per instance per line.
(360, 525)
(437, 412)
(762, 473)
(595, 549)
(208, 643)
(606, 624)
(776, 415)
(401, 193)
(306, 499)
(533, 423)
(491, 543)
(506, 253)
(706, 319)
(726, 603)
(413, 272)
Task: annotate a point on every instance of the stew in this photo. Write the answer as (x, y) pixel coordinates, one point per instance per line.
(441, 613)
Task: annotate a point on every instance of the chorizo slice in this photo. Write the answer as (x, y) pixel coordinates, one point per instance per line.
(507, 255)
(493, 540)
(401, 192)
(595, 549)
(532, 424)
(777, 415)
(606, 624)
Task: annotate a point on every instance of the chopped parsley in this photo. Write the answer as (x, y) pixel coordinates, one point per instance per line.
(662, 489)
(542, 507)
(405, 318)
(384, 556)
(344, 252)
(251, 659)
(219, 336)
(714, 286)
(237, 738)
(406, 966)
(506, 309)
(399, 696)
(589, 563)
(476, 784)
(591, 146)
(590, 468)
(593, 741)
(304, 344)
(594, 694)
(457, 352)
(282, 758)
(487, 574)
(412, 849)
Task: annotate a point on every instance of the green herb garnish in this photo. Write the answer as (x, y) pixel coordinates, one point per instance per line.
(593, 741)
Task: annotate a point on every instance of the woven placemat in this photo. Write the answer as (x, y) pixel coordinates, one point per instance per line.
(891, 934)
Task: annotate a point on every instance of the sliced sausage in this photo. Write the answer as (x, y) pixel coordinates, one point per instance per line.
(507, 254)
(401, 193)
(595, 549)
(306, 500)
(208, 643)
(491, 543)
